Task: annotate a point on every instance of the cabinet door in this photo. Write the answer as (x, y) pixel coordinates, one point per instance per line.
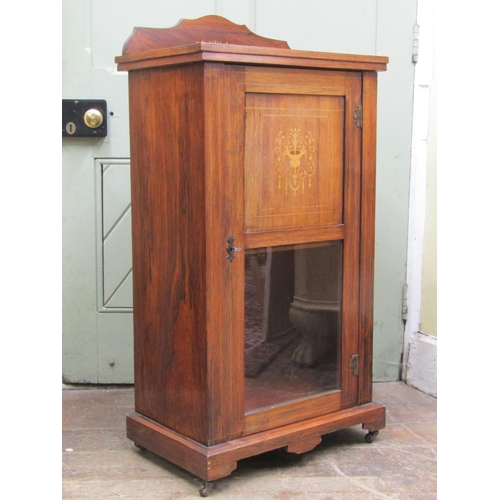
(296, 280)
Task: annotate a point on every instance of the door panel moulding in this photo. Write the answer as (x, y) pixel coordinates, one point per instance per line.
(113, 285)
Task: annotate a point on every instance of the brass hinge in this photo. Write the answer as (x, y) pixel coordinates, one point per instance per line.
(354, 366)
(358, 116)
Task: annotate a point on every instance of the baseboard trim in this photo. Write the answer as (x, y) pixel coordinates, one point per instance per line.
(422, 363)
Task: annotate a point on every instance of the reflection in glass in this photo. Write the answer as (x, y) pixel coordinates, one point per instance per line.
(292, 322)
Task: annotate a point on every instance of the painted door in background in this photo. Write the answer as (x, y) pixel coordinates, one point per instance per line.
(97, 270)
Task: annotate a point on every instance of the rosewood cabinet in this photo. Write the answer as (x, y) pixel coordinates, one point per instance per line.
(253, 194)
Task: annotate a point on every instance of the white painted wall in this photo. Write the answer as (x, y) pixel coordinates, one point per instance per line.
(420, 355)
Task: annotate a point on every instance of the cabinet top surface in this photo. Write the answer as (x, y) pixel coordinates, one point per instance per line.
(215, 39)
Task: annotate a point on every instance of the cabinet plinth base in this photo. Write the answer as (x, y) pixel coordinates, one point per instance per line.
(214, 462)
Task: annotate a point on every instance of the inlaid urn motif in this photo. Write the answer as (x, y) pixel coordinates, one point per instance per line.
(294, 159)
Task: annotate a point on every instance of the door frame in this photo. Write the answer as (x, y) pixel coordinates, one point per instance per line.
(237, 82)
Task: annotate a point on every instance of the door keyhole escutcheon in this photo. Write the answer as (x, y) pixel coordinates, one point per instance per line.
(231, 249)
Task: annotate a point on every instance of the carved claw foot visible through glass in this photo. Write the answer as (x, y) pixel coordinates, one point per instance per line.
(292, 322)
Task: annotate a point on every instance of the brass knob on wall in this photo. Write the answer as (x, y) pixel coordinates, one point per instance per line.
(93, 118)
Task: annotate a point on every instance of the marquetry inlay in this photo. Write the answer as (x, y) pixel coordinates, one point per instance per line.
(294, 160)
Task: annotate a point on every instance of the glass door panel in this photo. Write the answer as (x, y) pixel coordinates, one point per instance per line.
(293, 322)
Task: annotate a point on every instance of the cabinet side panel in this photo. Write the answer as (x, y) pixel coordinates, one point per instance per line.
(167, 174)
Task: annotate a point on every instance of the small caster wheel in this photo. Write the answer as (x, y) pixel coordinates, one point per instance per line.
(371, 436)
(205, 489)
(140, 447)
